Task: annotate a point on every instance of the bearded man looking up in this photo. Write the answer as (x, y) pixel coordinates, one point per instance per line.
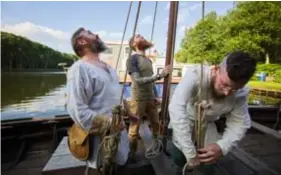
(143, 95)
(93, 90)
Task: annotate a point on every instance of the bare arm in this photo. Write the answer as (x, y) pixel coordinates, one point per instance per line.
(143, 80)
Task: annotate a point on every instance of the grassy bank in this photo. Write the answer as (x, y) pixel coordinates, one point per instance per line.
(265, 85)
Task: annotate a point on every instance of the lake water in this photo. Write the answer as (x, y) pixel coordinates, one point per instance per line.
(42, 94)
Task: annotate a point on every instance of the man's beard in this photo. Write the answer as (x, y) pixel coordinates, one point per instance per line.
(215, 94)
(98, 46)
(144, 45)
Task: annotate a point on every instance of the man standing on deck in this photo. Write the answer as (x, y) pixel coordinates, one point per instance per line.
(224, 89)
(93, 91)
(143, 96)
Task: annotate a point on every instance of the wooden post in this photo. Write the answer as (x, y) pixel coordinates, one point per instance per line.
(170, 47)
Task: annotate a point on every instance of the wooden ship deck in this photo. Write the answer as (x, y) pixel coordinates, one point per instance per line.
(28, 151)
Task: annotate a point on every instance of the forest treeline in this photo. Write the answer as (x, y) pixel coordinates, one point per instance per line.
(18, 52)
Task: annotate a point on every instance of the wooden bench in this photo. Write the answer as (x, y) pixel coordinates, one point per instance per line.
(63, 163)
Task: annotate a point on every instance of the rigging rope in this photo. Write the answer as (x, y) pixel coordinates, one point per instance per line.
(153, 24)
(123, 37)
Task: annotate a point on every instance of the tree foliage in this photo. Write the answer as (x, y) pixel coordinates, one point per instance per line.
(252, 26)
(21, 53)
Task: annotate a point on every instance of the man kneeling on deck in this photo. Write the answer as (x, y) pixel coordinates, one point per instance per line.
(223, 88)
(93, 90)
(143, 94)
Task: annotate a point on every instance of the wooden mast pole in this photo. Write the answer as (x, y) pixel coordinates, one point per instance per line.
(170, 47)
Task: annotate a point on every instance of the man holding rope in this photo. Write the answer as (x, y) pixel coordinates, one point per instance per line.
(144, 103)
(94, 93)
(227, 96)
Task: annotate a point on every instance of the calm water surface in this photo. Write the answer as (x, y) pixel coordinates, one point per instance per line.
(42, 94)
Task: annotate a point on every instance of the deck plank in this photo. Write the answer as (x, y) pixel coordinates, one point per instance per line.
(162, 165)
(63, 160)
(266, 130)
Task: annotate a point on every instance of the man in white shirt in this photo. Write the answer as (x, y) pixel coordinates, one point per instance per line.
(223, 88)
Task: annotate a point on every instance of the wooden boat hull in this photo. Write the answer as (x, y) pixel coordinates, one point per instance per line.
(39, 126)
(24, 140)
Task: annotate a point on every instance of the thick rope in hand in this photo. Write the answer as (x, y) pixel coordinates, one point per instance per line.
(110, 142)
(200, 128)
(200, 121)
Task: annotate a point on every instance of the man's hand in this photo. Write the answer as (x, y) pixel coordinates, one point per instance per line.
(157, 101)
(134, 118)
(193, 162)
(128, 112)
(166, 71)
(210, 153)
(122, 126)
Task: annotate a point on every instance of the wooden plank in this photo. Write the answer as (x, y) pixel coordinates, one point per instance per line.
(230, 166)
(29, 171)
(266, 130)
(34, 120)
(251, 162)
(63, 160)
(70, 171)
(162, 165)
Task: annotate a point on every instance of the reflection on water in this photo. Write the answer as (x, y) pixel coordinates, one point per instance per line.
(43, 94)
(32, 94)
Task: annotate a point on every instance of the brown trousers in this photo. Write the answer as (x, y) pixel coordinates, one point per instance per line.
(143, 109)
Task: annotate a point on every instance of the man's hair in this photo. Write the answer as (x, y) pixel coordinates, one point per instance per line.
(131, 42)
(240, 66)
(75, 37)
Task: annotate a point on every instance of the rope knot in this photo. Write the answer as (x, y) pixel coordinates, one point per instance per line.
(117, 110)
(205, 104)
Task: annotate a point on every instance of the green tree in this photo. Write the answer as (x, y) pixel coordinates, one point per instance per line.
(200, 42)
(21, 53)
(252, 26)
(258, 26)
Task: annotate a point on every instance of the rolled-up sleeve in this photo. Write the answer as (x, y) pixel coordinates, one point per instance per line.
(79, 93)
(179, 120)
(237, 123)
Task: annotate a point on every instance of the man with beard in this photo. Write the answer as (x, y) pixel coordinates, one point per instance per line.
(143, 95)
(93, 91)
(227, 96)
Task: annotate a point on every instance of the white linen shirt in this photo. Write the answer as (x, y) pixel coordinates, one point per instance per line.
(92, 91)
(181, 110)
